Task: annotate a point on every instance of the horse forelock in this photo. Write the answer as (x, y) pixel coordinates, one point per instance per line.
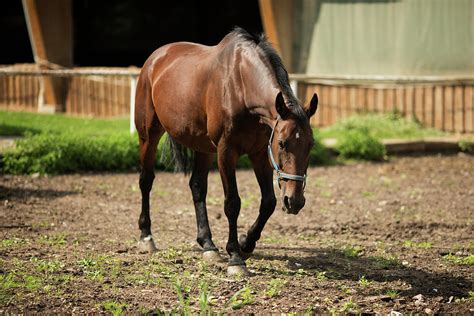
(277, 69)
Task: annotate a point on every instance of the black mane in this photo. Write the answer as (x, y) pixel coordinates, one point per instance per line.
(281, 75)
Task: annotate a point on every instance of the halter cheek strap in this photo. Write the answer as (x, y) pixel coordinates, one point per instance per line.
(280, 174)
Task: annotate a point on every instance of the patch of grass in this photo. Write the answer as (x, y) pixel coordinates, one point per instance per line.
(321, 276)
(11, 242)
(48, 266)
(19, 123)
(468, 260)
(389, 262)
(352, 251)
(242, 297)
(388, 125)
(114, 307)
(422, 245)
(54, 240)
(349, 306)
(274, 287)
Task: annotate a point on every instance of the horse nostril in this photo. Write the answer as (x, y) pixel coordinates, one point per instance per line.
(286, 201)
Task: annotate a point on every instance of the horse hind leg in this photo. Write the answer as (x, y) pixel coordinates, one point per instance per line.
(198, 186)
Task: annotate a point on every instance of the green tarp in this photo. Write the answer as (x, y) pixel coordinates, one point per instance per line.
(384, 37)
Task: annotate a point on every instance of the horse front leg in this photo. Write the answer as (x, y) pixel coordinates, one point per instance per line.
(198, 186)
(264, 174)
(227, 159)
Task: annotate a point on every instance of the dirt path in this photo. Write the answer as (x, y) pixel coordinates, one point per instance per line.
(372, 238)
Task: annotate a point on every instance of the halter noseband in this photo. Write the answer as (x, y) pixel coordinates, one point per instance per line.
(280, 174)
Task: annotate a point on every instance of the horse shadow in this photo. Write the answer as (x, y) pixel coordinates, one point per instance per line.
(339, 266)
(9, 193)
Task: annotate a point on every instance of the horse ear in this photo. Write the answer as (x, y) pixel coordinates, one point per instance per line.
(313, 106)
(281, 107)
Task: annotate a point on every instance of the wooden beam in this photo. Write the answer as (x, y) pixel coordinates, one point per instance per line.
(269, 23)
(49, 25)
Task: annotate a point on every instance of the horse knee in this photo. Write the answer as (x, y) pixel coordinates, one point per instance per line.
(146, 180)
(232, 207)
(196, 186)
(268, 204)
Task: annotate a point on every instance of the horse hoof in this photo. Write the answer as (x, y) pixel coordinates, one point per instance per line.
(238, 271)
(211, 256)
(245, 255)
(147, 245)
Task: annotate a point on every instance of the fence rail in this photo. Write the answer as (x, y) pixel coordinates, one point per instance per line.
(441, 102)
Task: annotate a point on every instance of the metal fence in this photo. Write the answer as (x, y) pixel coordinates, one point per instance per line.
(440, 102)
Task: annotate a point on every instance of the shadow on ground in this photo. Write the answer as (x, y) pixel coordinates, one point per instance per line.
(341, 267)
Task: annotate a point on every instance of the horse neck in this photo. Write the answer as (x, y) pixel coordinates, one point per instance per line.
(260, 88)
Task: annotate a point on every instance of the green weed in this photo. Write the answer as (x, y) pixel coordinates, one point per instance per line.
(392, 293)
(468, 260)
(114, 307)
(241, 298)
(364, 282)
(352, 251)
(274, 287)
(422, 245)
(53, 240)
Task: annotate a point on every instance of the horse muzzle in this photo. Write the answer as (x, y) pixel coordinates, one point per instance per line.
(292, 205)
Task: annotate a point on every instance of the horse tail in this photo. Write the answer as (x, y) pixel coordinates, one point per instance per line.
(176, 156)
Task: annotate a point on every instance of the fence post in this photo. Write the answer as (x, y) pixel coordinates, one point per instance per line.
(133, 87)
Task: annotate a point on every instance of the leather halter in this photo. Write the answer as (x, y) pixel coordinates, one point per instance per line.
(280, 174)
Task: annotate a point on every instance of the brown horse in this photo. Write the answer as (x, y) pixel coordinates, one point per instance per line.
(231, 99)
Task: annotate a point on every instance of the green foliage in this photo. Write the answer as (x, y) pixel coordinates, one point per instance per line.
(274, 287)
(352, 251)
(364, 282)
(468, 260)
(360, 144)
(389, 125)
(114, 307)
(422, 245)
(63, 153)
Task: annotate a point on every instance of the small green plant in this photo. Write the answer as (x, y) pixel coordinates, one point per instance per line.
(349, 306)
(241, 298)
(48, 266)
(422, 245)
(204, 298)
(321, 276)
(12, 242)
(352, 251)
(274, 287)
(114, 307)
(466, 146)
(54, 240)
(364, 282)
(182, 297)
(392, 293)
(468, 260)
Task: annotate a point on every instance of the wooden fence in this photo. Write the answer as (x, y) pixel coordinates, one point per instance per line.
(98, 92)
(446, 104)
(443, 103)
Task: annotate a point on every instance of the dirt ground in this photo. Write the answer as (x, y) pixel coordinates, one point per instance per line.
(373, 237)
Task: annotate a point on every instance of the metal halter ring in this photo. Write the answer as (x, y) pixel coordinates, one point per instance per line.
(280, 173)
